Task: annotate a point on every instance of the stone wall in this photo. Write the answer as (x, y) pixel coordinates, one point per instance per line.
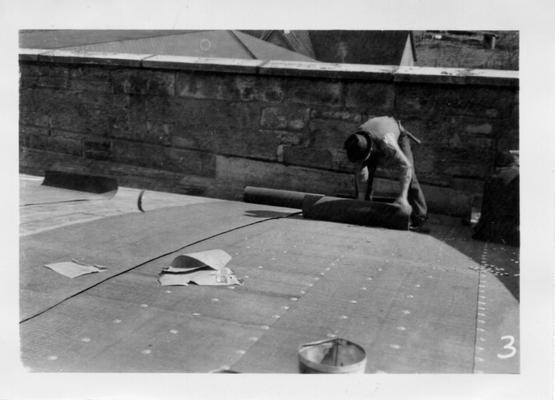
(211, 126)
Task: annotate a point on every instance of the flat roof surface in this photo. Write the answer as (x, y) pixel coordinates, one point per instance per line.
(416, 303)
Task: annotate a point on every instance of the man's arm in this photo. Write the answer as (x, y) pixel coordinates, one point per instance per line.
(361, 178)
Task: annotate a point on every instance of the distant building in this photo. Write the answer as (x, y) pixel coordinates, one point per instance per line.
(343, 46)
(468, 49)
(197, 43)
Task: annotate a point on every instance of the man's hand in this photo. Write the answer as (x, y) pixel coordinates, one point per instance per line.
(403, 204)
(361, 178)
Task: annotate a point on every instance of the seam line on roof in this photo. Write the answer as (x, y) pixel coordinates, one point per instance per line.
(236, 37)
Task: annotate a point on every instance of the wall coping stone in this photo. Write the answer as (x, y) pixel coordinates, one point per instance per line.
(432, 75)
(238, 65)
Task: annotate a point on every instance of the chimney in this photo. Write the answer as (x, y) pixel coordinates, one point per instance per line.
(489, 40)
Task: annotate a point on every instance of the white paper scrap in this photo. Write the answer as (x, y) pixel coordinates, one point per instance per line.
(202, 268)
(208, 277)
(215, 259)
(72, 269)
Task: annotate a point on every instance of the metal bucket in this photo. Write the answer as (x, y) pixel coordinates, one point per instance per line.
(332, 356)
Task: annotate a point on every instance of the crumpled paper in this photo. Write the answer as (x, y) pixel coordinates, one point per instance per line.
(202, 268)
(74, 268)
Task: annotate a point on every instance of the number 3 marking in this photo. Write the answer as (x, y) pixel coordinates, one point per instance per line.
(509, 346)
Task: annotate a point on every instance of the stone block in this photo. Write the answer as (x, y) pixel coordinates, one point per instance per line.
(373, 97)
(89, 86)
(248, 86)
(39, 160)
(82, 118)
(330, 134)
(38, 142)
(198, 186)
(314, 92)
(65, 144)
(279, 117)
(26, 130)
(308, 157)
(480, 128)
(191, 162)
(431, 101)
(222, 127)
(158, 132)
(164, 158)
(243, 172)
(198, 85)
(155, 83)
(28, 116)
(340, 115)
(44, 76)
(97, 149)
(90, 73)
(29, 69)
(257, 88)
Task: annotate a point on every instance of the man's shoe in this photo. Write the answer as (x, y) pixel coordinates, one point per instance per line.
(419, 229)
(417, 224)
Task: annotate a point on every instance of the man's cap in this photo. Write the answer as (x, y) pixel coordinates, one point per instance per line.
(358, 147)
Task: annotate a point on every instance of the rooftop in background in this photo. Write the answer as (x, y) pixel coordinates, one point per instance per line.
(346, 46)
(197, 43)
(468, 49)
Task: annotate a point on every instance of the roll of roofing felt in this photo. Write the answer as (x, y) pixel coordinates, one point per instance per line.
(275, 197)
(81, 182)
(357, 212)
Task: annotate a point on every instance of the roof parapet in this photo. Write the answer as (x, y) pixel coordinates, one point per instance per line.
(451, 76)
